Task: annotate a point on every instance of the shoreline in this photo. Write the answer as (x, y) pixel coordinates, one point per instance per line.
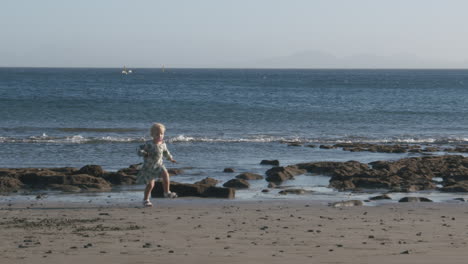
(234, 232)
(133, 198)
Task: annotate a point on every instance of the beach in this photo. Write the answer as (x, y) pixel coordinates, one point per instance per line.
(214, 231)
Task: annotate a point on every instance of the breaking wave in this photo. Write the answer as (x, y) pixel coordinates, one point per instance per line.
(80, 139)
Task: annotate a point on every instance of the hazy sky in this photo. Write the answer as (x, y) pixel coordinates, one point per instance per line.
(235, 33)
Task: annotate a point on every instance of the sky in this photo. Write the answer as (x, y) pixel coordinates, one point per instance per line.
(234, 34)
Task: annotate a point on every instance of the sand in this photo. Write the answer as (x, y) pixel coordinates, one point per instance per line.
(227, 231)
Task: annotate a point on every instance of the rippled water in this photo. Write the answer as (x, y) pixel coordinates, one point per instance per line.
(223, 118)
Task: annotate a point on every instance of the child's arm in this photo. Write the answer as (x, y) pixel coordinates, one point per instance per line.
(168, 155)
(142, 150)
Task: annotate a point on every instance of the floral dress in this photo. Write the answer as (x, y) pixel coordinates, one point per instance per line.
(153, 166)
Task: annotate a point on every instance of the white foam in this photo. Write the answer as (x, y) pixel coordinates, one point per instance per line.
(80, 139)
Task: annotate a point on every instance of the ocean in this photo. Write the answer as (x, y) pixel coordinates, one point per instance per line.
(219, 118)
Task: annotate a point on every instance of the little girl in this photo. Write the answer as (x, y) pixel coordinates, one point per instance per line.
(153, 152)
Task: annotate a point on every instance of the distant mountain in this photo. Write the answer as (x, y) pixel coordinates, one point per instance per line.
(318, 59)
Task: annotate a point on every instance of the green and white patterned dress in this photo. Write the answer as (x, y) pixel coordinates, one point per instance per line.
(153, 166)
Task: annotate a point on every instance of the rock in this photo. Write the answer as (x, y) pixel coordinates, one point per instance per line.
(8, 184)
(237, 184)
(182, 189)
(194, 190)
(327, 147)
(333, 168)
(409, 174)
(39, 178)
(218, 192)
(228, 170)
(65, 179)
(64, 188)
(270, 162)
(461, 186)
(295, 144)
(87, 182)
(208, 181)
(249, 176)
(311, 146)
(93, 170)
(294, 191)
(64, 170)
(355, 147)
(280, 174)
(265, 190)
(431, 149)
(135, 166)
(174, 171)
(7, 172)
(347, 203)
(414, 200)
(461, 199)
(271, 185)
(132, 170)
(119, 178)
(380, 197)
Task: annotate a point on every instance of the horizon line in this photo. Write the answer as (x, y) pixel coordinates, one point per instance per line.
(231, 68)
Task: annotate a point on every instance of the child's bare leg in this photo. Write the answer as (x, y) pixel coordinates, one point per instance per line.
(166, 181)
(148, 189)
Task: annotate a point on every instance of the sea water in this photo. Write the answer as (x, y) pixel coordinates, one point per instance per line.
(218, 118)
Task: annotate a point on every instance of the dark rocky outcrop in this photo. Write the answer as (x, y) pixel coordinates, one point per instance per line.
(194, 190)
(228, 170)
(119, 178)
(64, 179)
(280, 174)
(380, 197)
(237, 184)
(208, 181)
(461, 186)
(294, 191)
(87, 182)
(459, 149)
(357, 147)
(75, 180)
(272, 185)
(37, 178)
(327, 147)
(414, 200)
(409, 174)
(9, 184)
(93, 170)
(135, 168)
(270, 162)
(249, 176)
(219, 192)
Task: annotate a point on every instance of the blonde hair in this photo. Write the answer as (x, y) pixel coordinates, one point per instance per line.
(157, 127)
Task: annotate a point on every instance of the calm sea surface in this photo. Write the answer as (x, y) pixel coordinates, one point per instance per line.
(224, 118)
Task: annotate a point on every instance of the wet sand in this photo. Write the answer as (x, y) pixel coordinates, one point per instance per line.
(216, 231)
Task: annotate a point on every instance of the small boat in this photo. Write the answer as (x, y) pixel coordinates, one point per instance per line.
(125, 71)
